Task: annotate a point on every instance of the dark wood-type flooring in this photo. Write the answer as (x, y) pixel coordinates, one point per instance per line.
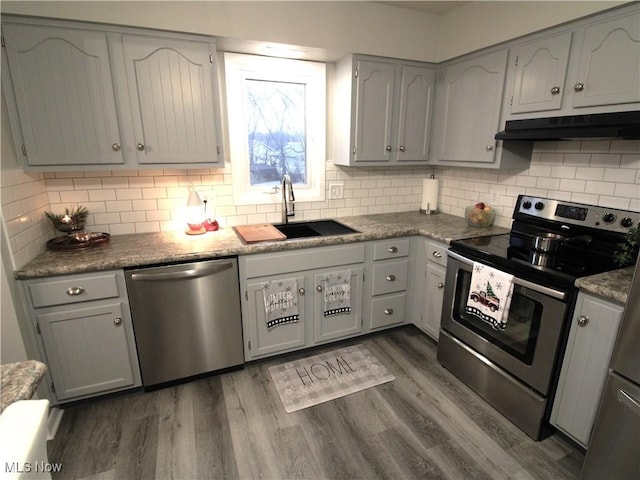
(425, 424)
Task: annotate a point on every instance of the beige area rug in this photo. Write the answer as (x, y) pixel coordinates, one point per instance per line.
(320, 378)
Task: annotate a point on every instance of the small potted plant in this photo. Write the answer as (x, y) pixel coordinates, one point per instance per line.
(627, 251)
(71, 221)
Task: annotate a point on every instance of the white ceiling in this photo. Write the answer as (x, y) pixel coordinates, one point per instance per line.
(436, 8)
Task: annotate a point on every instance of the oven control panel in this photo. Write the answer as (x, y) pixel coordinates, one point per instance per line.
(603, 218)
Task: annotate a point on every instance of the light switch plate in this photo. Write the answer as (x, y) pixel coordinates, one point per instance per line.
(336, 190)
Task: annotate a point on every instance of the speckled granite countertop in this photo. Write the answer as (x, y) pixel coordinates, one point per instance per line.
(610, 285)
(18, 381)
(154, 248)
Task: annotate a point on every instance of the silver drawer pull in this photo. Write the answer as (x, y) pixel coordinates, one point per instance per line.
(73, 291)
(117, 321)
(440, 285)
(393, 250)
(319, 288)
(391, 278)
(140, 146)
(301, 291)
(582, 320)
(115, 147)
(437, 254)
(388, 311)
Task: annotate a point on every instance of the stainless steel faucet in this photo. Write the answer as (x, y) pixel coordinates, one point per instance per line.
(288, 207)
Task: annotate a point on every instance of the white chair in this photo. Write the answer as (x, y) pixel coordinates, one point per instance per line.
(23, 440)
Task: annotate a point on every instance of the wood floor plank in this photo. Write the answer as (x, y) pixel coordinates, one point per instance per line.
(425, 424)
(215, 456)
(176, 433)
(138, 449)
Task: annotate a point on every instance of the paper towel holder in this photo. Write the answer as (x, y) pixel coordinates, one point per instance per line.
(426, 209)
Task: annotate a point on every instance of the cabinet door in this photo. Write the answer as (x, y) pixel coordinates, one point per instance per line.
(263, 340)
(469, 100)
(343, 324)
(414, 114)
(373, 115)
(434, 294)
(172, 86)
(585, 366)
(88, 349)
(541, 71)
(609, 71)
(64, 95)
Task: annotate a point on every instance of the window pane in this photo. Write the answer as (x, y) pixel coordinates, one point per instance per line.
(275, 113)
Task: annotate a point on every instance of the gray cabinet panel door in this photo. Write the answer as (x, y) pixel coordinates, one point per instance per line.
(610, 63)
(172, 86)
(88, 349)
(414, 115)
(64, 95)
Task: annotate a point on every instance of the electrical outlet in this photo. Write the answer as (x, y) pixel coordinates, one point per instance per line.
(336, 190)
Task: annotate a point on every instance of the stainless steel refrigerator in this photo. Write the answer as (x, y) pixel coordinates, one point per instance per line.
(614, 451)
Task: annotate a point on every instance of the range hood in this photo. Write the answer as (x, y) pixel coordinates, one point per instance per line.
(601, 125)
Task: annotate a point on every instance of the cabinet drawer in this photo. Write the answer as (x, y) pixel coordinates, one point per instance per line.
(437, 252)
(387, 310)
(73, 289)
(390, 277)
(391, 249)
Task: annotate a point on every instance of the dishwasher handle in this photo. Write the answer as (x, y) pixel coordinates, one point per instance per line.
(183, 274)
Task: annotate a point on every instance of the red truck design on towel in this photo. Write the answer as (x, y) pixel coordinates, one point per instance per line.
(491, 301)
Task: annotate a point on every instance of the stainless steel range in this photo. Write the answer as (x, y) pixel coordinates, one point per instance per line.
(514, 363)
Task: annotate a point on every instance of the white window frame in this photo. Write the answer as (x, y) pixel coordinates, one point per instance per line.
(239, 67)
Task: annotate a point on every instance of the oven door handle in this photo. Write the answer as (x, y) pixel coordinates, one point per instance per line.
(551, 292)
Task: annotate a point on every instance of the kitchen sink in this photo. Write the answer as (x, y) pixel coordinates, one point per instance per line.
(314, 228)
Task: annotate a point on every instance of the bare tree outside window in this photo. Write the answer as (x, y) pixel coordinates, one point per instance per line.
(275, 116)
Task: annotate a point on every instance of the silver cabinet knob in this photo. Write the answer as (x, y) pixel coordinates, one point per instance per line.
(401, 148)
(388, 311)
(117, 321)
(437, 254)
(301, 291)
(440, 285)
(393, 250)
(74, 291)
(140, 146)
(319, 288)
(555, 90)
(578, 87)
(388, 148)
(489, 147)
(115, 147)
(582, 320)
(391, 278)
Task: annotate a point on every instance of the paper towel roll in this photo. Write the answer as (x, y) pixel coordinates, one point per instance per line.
(430, 190)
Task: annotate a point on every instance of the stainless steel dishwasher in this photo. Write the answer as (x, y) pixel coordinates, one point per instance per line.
(186, 319)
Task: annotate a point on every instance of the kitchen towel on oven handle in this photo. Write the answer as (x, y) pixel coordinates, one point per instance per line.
(281, 301)
(490, 294)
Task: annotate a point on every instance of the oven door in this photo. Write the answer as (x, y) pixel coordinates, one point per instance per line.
(528, 346)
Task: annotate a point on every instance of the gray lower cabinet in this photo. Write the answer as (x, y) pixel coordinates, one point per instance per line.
(389, 260)
(85, 334)
(299, 277)
(433, 289)
(585, 366)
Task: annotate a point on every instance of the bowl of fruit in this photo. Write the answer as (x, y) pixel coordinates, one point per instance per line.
(479, 215)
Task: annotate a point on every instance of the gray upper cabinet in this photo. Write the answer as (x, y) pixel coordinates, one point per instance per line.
(468, 102)
(382, 112)
(171, 99)
(64, 95)
(93, 97)
(469, 97)
(593, 67)
(609, 68)
(541, 70)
